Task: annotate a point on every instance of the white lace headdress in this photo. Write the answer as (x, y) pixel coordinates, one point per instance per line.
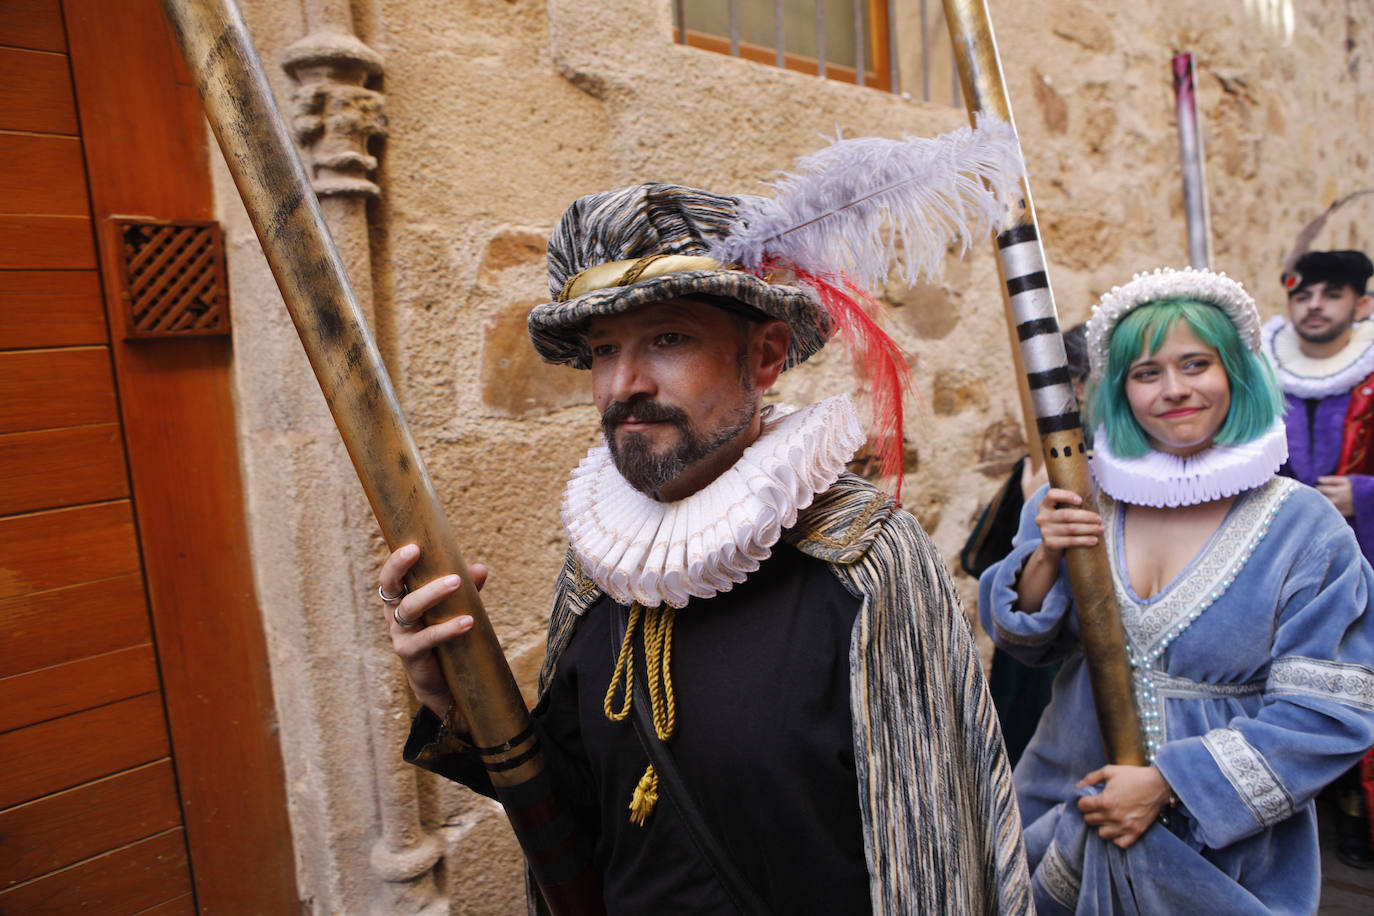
(1166, 283)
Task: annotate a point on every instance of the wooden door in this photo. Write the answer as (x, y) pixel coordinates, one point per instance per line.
(141, 768)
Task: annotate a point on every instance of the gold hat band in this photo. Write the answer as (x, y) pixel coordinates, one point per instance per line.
(623, 273)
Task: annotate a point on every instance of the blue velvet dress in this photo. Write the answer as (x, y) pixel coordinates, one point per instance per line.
(1254, 676)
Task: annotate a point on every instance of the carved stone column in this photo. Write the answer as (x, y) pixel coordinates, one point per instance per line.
(333, 114)
(336, 120)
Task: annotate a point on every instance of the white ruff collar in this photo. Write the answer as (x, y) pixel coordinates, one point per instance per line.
(638, 549)
(1308, 377)
(1160, 479)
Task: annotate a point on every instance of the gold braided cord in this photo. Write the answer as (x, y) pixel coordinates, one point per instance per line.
(658, 657)
(612, 274)
(624, 666)
(565, 293)
(637, 269)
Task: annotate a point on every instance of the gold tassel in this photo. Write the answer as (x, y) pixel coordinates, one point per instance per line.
(645, 797)
(658, 654)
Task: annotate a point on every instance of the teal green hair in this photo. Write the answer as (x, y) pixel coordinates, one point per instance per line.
(1255, 397)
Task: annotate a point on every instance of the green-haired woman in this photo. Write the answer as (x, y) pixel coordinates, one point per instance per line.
(1244, 597)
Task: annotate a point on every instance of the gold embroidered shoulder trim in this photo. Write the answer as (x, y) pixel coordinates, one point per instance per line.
(582, 583)
(843, 521)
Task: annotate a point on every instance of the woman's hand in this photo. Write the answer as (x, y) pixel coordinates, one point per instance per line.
(1061, 527)
(413, 641)
(1128, 804)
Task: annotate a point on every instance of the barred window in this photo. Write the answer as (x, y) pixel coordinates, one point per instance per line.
(847, 40)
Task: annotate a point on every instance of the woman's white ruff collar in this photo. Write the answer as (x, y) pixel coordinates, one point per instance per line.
(1305, 377)
(1161, 480)
(638, 549)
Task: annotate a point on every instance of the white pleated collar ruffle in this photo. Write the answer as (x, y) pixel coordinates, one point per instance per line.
(1306, 377)
(1162, 480)
(638, 549)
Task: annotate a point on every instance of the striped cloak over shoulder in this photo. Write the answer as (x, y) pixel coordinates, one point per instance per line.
(941, 829)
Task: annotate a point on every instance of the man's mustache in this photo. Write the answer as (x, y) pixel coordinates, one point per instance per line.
(642, 409)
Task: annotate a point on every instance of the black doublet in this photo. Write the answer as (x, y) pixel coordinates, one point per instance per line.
(764, 741)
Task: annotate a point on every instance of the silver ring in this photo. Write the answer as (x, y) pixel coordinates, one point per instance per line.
(392, 601)
(396, 612)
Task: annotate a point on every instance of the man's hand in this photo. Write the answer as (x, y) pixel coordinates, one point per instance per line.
(413, 641)
(1338, 490)
(1128, 804)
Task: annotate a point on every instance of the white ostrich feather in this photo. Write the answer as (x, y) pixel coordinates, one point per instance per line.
(861, 205)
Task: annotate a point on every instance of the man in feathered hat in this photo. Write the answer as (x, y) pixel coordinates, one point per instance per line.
(1324, 357)
(806, 660)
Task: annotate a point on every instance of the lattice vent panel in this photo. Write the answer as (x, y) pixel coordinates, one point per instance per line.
(171, 277)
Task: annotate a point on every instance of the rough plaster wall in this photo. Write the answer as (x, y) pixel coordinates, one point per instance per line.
(501, 113)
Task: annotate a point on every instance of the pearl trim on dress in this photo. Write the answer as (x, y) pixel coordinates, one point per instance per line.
(638, 549)
(1160, 479)
(1306, 377)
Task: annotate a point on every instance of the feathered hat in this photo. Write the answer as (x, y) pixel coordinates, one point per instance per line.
(621, 250)
(1292, 274)
(1334, 268)
(833, 229)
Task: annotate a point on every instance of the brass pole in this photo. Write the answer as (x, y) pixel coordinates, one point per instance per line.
(286, 216)
(1035, 324)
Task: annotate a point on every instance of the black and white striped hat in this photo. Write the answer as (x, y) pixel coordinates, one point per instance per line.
(631, 247)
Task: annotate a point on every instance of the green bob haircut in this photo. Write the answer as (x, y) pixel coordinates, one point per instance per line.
(1256, 400)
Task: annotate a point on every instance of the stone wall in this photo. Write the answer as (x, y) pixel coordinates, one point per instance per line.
(500, 113)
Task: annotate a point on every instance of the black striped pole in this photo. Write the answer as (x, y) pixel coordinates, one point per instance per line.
(1031, 312)
(315, 287)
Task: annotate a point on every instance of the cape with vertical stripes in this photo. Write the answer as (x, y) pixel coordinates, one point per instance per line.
(941, 828)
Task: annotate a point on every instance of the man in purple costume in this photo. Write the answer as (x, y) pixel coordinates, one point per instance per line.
(1324, 357)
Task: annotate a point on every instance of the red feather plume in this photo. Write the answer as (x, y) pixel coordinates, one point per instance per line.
(883, 367)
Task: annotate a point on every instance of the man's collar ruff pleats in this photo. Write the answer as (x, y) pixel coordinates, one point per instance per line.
(1302, 376)
(637, 549)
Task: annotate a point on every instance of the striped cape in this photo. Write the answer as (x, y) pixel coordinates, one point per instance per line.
(941, 828)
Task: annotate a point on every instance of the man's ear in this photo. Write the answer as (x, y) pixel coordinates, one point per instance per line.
(768, 342)
(1364, 307)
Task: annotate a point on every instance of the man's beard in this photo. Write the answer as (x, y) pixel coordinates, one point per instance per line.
(1332, 331)
(648, 471)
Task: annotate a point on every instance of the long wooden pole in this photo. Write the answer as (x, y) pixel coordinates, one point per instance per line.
(286, 216)
(1035, 322)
